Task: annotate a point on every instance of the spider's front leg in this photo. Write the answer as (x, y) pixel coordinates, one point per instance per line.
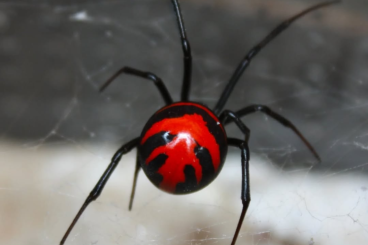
(265, 109)
(95, 193)
(143, 74)
(136, 172)
(243, 145)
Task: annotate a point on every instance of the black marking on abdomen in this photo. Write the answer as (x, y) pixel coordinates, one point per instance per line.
(190, 183)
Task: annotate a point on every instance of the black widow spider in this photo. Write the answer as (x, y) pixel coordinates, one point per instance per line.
(183, 146)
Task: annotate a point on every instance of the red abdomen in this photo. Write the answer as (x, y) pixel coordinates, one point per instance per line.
(183, 147)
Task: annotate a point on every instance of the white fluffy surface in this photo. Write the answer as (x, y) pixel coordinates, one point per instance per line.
(42, 189)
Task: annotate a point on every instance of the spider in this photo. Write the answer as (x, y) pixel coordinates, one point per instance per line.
(183, 146)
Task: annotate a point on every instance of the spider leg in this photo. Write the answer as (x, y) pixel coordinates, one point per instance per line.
(265, 109)
(147, 75)
(255, 50)
(245, 194)
(243, 145)
(137, 168)
(187, 53)
(95, 193)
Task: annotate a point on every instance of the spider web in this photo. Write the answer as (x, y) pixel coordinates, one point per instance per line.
(58, 133)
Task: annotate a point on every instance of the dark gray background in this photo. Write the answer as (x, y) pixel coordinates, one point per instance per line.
(57, 132)
(315, 73)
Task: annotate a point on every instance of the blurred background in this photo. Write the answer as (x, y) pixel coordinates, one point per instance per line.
(58, 133)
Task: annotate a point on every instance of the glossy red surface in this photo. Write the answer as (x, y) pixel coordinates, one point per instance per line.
(190, 131)
(209, 112)
(183, 147)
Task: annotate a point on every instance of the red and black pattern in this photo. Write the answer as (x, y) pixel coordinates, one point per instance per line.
(183, 147)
